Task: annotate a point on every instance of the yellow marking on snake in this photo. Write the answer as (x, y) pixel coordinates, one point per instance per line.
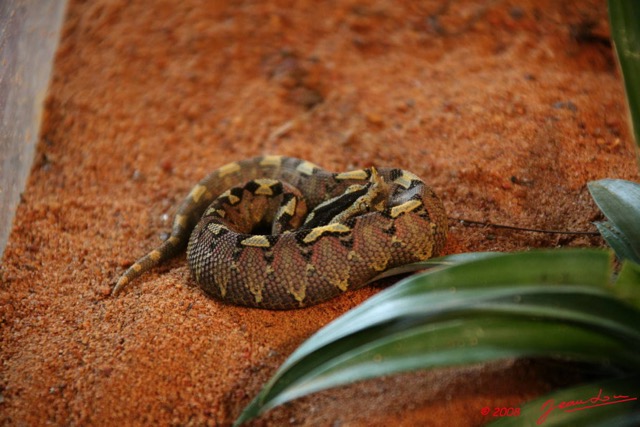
(271, 161)
(405, 207)
(197, 192)
(173, 240)
(290, 207)
(181, 220)
(381, 264)
(232, 199)
(353, 188)
(306, 168)
(299, 291)
(359, 174)
(264, 188)
(310, 216)
(155, 255)
(222, 286)
(215, 228)
(317, 232)
(136, 267)
(405, 179)
(396, 240)
(256, 241)
(212, 210)
(343, 284)
(222, 277)
(258, 295)
(198, 271)
(229, 168)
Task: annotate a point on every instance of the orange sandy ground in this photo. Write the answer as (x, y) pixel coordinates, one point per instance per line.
(508, 108)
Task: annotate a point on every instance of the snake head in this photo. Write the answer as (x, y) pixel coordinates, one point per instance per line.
(357, 199)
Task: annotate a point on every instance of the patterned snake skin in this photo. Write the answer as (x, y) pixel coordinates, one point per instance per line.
(280, 233)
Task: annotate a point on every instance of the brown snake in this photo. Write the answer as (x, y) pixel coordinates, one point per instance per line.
(252, 243)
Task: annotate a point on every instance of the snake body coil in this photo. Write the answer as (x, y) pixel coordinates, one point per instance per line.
(278, 232)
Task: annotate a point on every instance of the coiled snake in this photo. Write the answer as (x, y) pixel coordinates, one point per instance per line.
(252, 243)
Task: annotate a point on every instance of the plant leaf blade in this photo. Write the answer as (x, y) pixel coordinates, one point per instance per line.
(619, 200)
(625, 33)
(550, 303)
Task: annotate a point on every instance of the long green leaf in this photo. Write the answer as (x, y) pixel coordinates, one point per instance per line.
(555, 303)
(472, 338)
(619, 200)
(616, 240)
(627, 287)
(445, 261)
(587, 267)
(624, 16)
(419, 339)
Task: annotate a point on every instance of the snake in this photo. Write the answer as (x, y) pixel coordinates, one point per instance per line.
(281, 233)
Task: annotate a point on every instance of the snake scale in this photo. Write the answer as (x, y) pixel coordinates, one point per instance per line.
(281, 233)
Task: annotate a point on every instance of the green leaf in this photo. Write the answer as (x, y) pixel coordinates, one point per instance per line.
(627, 287)
(616, 239)
(450, 342)
(619, 200)
(606, 403)
(552, 304)
(624, 17)
(588, 267)
(444, 261)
